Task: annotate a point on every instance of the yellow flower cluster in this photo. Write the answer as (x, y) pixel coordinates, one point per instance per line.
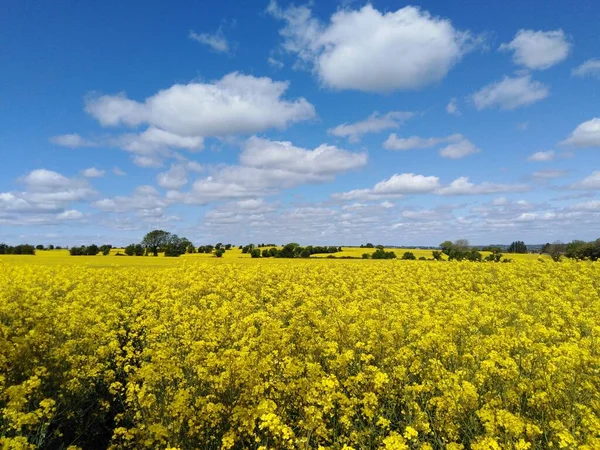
(290, 354)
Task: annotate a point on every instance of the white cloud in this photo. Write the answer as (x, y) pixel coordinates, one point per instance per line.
(459, 150)
(589, 68)
(118, 172)
(218, 42)
(462, 186)
(144, 198)
(274, 62)
(151, 146)
(586, 135)
(267, 167)
(542, 156)
(71, 214)
(72, 140)
(538, 49)
(394, 142)
(592, 205)
(373, 124)
(452, 107)
(354, 50)
(549, 174)
(46, 196)
(282, 155)
(92, 172)
(510, 93)
(174, 178)
(235, 104)
(591, 182)
(396, 186)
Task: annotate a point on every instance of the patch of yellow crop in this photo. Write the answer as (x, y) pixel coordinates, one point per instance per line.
(187, 353)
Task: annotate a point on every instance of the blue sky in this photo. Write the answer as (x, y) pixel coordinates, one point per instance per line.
(325, 123)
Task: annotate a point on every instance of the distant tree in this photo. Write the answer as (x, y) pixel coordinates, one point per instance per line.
(155, 240)
(273, 251)
(517, 247)
(219, 252)
(228, 247)
(437, 255)
(130, 250)
(305, 253)
(92, 250)
(556, 250)
(190, 249)
(380, 247)
(266, 253)
(461, 244)
(255, 253)
(369, 245)
(446, 247)
(176, 246)
(382, 254)
(58, 247)
(51, 247)
(139, 250)
(366, 256)
(422, 258)
(409, 255)
(219, 245)
(39, 247)
(77, 251)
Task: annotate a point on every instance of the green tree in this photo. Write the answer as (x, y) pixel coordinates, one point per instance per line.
(409, 255)
(517, 247)
(156, 240)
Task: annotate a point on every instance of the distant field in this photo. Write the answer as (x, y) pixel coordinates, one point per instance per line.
(51, 257)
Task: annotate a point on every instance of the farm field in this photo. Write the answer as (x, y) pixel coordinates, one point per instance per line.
(233, 352)
(62, 257)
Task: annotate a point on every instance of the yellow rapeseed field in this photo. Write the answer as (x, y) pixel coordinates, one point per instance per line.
(234, 353)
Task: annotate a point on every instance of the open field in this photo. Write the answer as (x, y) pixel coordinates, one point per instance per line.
(219, 353)
(60, 257)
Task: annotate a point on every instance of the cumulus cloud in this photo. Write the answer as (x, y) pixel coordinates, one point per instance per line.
(177, 175)
(396, 186)
(459, 149)
(118, 172)
(151, 146)
(373, 124)
(542, 156)
(235, 104)
(586, 135)
(274, 62)
(592, 205)
(510, 93)
(394, 142)
(549, 174)
(268, 166)
(589, 68)
(368, 50)
(93, 172)
(462, 186)
(144, 198)
(282, 155)
(72, 140)
(538, 49)
(217, 41)
(452, 107)
(591, 182)
(45, 199)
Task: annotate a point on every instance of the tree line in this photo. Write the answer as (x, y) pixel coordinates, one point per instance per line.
(577, 249)
(22, 249)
